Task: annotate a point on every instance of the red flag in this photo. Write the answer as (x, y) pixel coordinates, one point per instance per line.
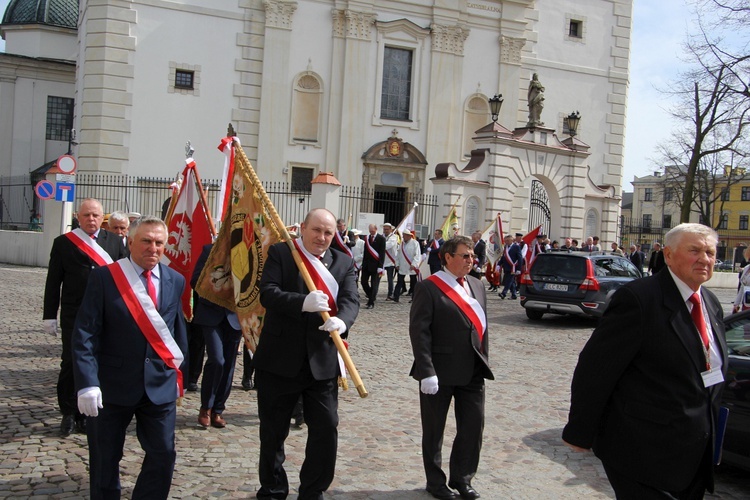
(188, 231)
(530, 239)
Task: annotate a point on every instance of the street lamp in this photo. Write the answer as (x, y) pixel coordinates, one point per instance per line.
(496, 103)
(573, 120)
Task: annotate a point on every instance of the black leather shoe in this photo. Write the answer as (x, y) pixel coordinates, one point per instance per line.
(247, 384)
(441, 492)
(67, 425)
(369, 306)
(192, 387)
(465, 490)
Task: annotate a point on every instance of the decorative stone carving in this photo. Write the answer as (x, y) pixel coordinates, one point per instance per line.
(279, 13)
(358, 24)
(536, 102)
(510, 49)
(449, 39)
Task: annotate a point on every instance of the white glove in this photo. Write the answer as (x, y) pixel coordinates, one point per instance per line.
(346, 239)
(315, 302)
(429, 385)
(89, 401)
(380, 270)
(50, 327)
(332, 324)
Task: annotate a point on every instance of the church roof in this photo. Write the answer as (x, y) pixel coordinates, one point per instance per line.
(61, 13)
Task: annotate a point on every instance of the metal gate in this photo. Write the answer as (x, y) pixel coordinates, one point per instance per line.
(539, 213)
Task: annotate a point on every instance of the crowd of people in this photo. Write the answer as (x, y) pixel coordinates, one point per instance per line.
(127, 350)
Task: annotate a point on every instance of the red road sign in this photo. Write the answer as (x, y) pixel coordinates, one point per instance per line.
(45, 190)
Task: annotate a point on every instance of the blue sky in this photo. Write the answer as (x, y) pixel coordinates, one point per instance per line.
(659, 28)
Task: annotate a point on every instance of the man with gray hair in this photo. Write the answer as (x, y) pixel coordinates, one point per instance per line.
(645, 394)
(119, 223)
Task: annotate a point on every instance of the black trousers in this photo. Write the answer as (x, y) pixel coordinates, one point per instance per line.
(370, 284)
(277, 397)
(106, 437)
(67, 398)
(196, 350)
(469, 411)
(401, 285)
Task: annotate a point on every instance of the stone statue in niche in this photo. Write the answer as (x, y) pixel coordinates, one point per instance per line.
(536, 102)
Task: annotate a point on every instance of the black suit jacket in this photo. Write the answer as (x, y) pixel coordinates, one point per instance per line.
(637, 261)
(433, 259)
(290, 337)
(335, 242)
(637, 394)
(369, 263)
(444, 341)
(111, 352)
(70, 268)
(480, 251)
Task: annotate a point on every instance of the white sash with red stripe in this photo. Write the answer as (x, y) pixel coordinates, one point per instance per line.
(388, 254)
(89, 246)
(373, 253)
(148, 319)
(458, 294)
(321, 276)
(508, 259)
(340, 242)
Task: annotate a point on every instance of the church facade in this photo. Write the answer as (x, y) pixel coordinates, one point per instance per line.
(379, 93)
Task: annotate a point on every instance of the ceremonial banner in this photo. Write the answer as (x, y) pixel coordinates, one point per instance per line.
(231, 277)
(407, 225)
(227, 175)
(450, 226)
(530, 240)
(188, 230)
(493, 236)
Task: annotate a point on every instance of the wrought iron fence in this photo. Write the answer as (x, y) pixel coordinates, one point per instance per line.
(20, 208)
(395, 206)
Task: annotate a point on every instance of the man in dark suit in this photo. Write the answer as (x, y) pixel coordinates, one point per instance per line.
(635, 257)
(656, 262)
(480, 255)
(296, 356)
(432, 249)
(343, 240)
(221, 333)
(128, 344)
(72, 258)
(511, 262)
(646, 391)
(448, 331)
(372, 264)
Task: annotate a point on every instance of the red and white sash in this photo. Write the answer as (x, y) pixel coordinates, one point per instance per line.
(321, 276)
(406, 256)
(468, 305)
(89, 246)
(374, 254)
(388, 254)
(508, 259)
(340, 243)
(148, 319)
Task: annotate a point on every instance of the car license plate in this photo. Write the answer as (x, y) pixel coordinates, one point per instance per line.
(556, 287)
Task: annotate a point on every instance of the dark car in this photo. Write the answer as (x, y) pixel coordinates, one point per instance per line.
(736, 395)
(574, 283)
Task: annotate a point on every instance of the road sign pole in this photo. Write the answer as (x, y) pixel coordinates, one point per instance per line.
(65, 217)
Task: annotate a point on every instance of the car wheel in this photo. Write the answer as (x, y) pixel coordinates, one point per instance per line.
(535, 315)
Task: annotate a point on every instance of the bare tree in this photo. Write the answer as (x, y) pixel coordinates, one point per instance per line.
(713, 111)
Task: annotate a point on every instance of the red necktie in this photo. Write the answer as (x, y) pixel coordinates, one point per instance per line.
(698, 319)
(92, 236)
(460, 281)
(150, 286)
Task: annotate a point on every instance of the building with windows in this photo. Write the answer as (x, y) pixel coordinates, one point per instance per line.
(379, 93)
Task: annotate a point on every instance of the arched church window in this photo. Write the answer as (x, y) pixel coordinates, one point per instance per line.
(476, 116)
(307, 103)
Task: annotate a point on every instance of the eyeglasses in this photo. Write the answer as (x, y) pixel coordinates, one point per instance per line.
(465, 256)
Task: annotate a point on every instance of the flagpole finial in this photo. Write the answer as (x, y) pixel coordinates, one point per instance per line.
(189, 150)
(230, 131)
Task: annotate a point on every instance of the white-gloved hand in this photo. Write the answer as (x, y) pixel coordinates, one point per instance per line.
(346, 239)
(380, 271)
(89, 401)
(332, 324)
(50, 327)
(429, 385)
(316, 301)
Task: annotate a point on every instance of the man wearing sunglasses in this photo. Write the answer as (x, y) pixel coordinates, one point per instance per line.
(448, 331)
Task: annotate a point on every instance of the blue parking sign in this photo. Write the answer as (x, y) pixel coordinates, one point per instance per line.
(65, 191)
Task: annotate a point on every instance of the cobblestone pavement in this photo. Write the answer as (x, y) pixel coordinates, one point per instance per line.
(379, 437)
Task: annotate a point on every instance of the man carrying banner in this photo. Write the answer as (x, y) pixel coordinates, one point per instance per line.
(511, 262)
(343, 240)
(128, 345)
(448, 331)
(296, 356)
(72, 258)
(433, 251)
